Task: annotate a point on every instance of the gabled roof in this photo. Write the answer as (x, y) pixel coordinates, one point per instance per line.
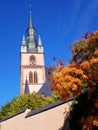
(20, 112)
(47, 107)
(46, 89)
(39, 110)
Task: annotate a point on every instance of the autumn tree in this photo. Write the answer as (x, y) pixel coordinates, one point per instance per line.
(80, 73)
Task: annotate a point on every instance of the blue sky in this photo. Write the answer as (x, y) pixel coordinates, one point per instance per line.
(59, 22)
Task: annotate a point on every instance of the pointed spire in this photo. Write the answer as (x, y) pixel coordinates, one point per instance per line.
(23, 40)
(26, 91)
(30, 19)
(39, 41)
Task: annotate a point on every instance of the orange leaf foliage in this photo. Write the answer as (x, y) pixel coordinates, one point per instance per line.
(68, 80)
(90, 123)
(81, 72)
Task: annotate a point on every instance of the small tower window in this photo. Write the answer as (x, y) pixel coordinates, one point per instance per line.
(35, 77)
(32, 60)
(30, 77)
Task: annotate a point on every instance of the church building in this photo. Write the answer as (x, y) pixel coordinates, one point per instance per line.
(32, 66)
(33, 79)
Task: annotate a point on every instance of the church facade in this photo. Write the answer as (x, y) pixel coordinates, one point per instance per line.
(32, 66)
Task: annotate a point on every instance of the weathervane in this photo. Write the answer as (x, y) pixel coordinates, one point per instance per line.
(30, 5)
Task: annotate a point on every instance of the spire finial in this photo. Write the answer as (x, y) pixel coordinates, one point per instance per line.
(23, 40)
(39, 41)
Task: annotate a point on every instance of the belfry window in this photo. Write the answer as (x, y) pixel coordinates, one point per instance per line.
(30, 77)
(35, 77)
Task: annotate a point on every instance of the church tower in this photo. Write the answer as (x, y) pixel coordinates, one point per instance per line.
(32, 67)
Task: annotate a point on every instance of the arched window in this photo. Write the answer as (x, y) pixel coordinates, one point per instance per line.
(30, 77)
(35, 77)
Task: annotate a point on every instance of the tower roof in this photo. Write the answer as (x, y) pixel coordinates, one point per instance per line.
(30, 19)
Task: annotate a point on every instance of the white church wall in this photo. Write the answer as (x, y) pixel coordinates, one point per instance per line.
(52, 119)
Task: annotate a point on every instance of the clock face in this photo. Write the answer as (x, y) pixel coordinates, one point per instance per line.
(32, 61)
